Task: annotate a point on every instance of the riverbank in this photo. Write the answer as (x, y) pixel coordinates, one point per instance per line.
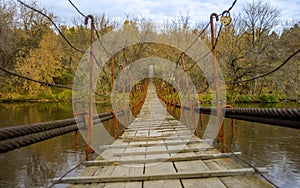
(204, 98)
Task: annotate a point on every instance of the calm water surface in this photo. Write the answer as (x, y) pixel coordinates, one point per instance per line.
(34, 166)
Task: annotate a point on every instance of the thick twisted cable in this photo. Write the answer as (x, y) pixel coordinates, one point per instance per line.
(22, 130)
(291, 113)
(285, 117)
(22, 141)
(26, 140)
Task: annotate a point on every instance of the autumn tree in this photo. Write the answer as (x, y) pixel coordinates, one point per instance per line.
(288, 78)
(30, 28)
(247, 47)
(259, 19)
(7, 34)
(42, 63)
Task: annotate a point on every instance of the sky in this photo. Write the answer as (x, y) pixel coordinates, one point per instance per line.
(159, 10)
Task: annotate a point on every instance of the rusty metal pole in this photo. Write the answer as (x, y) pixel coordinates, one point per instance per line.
(112, 69)
(76, 140)
(233, 128)
(201, 120)
(221, 138)
(216, 79)
(123, 90)
(188, 92)
(130, 99)
(113, 79)
(91, 84)
(232, 123)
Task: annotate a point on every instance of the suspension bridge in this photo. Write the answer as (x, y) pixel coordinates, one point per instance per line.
(155, 149)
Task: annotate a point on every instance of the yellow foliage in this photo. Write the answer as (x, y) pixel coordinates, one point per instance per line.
(43, 63)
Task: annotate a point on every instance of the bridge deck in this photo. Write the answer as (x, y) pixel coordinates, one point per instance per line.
(159, 151)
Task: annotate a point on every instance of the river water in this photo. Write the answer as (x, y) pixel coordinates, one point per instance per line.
(261, 145)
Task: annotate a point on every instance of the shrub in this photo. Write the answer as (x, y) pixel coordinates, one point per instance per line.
(243, 99)
(66, 95)
(268, 98)
(205, 98)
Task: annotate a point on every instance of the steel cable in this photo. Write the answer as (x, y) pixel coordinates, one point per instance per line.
(22, 130)
(19, 136)
(285, 117)
(22, 141)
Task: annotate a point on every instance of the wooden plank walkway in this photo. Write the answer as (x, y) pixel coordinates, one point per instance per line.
(159, 151)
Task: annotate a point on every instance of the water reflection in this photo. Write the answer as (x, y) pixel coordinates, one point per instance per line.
(267, 146)
(35, 165)
(274, 147)
(32, 166)
(13, 114)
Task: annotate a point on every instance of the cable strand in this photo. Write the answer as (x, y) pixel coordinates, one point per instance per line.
(267, 73)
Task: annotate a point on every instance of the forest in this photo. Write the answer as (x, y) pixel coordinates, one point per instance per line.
(255, 43)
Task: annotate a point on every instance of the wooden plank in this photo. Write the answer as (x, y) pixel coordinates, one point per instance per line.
(158, 159)
(158, 127)
(197, 166)
(155, 149)
(145, 136)
(160, 151)
(251, 181)
(173, 137)
(204, 183)
(161, 168)
(125, 171)
(104, 171)
(90, 171)
(161, 176)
